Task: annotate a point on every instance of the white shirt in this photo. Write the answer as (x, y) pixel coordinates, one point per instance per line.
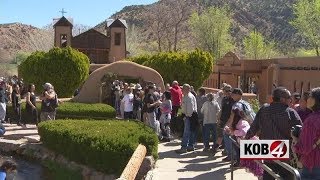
(189, 104)
(218, 97)
(210, 111)
(128, 102)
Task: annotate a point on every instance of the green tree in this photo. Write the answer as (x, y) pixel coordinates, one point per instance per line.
(65, 68)
(256, 47)
(305, 52)
(211, 30)
(307, 21)
(193, 67)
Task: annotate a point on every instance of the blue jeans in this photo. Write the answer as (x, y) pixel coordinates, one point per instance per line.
(188, 138)
(2, 131)
(227, 144)
(307, 174)
(209, 129)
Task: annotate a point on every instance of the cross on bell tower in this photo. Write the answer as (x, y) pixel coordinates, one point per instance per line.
(62, 12)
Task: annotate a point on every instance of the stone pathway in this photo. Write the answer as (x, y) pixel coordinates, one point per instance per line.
(194, 165)
(17, 135)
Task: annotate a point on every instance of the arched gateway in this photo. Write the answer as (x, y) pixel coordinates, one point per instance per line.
(90, 91)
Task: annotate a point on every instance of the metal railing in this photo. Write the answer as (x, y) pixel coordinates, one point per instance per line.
(286, 166)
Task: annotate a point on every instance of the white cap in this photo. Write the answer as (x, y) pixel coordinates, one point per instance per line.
(47, 86)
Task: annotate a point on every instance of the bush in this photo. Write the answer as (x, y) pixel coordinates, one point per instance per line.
(74, 110)
(192, 67)
(65, 68)
(255, 104)
(104, 145)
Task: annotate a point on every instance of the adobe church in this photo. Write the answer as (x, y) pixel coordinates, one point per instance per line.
(101, 47)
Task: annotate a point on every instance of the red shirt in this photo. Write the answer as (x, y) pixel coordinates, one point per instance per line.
(176, 95)
(308, 137)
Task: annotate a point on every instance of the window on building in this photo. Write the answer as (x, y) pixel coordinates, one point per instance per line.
(63, 40)
(295, 86)
(117, 39)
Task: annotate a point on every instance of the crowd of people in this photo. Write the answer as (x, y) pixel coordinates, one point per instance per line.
(12, 91)
(225, 114)
(294, 117)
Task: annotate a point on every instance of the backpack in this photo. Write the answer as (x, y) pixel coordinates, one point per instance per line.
(54, 102)
(248, 111)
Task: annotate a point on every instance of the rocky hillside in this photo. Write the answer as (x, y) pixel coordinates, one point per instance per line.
(17, 37)
(270, 17)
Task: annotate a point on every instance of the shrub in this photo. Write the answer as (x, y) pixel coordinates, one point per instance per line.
(192, 67)
(255, 104)
(65, 68)
(104, 145)
(74, 110)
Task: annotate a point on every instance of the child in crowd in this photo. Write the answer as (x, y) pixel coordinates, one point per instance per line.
(128, 104)
(239, 129)
(165, 118)
(6, 168)
(210, 111)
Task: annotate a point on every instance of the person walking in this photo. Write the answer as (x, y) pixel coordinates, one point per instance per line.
(49, 103)
(308, 141)
(189, 110)
(128, 104)
(176, 97)
(226, 107)
(275, 121)
(152, 104)
(210, 111)
(303, 109)
(31, 106)
(16, 104)
(201, 99)
(3, 101)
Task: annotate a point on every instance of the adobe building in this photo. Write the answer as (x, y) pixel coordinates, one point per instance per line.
(101, 47)
(92, 89)
(297, 74)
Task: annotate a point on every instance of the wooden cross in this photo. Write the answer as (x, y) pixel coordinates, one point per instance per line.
(63, 12)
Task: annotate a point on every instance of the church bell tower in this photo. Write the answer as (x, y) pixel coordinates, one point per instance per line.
(62, 32)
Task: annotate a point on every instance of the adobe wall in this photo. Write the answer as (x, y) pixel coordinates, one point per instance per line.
(90, 92)
(246, 96)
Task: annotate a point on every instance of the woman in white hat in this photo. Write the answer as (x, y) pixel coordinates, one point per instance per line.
(49, 103)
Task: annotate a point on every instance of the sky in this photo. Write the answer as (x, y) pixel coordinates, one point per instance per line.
(41, 12)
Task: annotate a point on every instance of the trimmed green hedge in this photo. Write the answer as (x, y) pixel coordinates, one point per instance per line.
(65, 68)
(73, 110)
(104, 145)
(192, 67)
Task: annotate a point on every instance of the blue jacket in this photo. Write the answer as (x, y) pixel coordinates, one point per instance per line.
(3, 96)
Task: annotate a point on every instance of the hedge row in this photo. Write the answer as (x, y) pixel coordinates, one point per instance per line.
(104, 145)
(192, 67)
(73, 110)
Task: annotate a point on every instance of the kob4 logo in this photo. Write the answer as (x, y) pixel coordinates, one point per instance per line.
(264, 149)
